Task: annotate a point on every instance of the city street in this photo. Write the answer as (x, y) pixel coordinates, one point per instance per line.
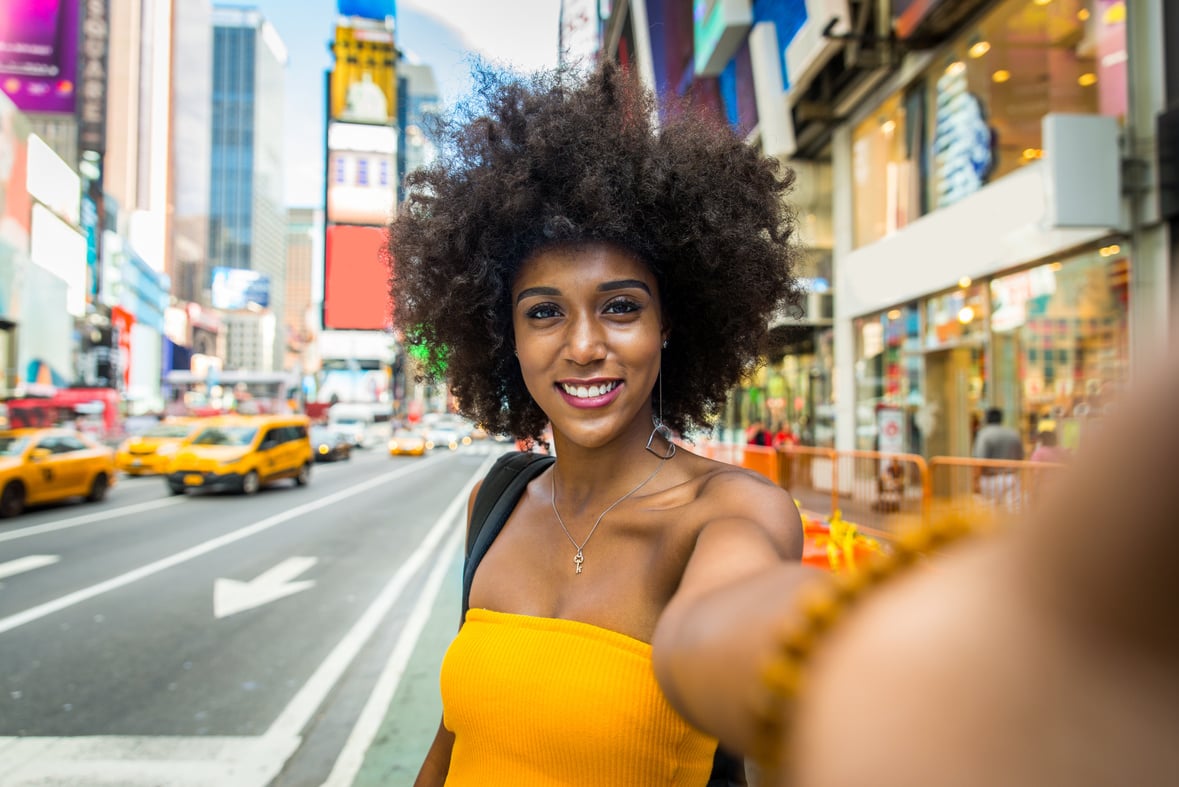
(221, 639)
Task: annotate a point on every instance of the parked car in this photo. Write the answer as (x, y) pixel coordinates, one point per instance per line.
(330, 445)
(49, 465)
(242, 452)
(408, 442)
(150, 452)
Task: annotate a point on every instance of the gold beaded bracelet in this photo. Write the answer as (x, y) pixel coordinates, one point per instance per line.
(821, 607)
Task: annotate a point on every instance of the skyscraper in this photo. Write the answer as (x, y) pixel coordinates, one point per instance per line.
(247, 218)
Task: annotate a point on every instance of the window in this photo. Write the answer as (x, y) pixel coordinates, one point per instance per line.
(975, 115)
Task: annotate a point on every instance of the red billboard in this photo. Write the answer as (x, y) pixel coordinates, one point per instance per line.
(355, 279)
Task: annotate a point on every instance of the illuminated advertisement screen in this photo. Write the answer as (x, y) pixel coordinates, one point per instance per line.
(361, 173)
(364, 80)
(237, 288)
(39, 54)
(355, 279)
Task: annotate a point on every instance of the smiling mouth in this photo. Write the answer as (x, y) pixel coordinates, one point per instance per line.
(589, 391)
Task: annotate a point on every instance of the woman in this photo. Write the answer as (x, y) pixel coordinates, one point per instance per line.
(574, 266)
(571, 264)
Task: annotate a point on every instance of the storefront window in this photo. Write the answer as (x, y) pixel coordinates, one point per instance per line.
(976, 114)
(1061, 341)
(888, 381)
(958, 316)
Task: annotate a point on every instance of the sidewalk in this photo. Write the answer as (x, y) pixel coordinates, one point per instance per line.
(413, 716)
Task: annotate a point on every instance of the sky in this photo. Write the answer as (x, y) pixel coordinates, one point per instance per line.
(439, 33)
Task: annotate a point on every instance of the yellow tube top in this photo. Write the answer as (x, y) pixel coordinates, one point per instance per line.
(542, 701)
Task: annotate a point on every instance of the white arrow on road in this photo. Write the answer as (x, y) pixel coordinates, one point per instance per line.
(231, 596)
(27, 563)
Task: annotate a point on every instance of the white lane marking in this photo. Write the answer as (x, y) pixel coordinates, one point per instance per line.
(86, 519)
(299, 710)
(141, 761)
(368, 724)
(231, 596)
(27, 563)
(64, 602)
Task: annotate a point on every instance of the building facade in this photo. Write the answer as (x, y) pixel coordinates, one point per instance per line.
(247, 218)
(982, 188)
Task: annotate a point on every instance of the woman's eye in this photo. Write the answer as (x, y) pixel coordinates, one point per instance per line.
(622, 306)
(542, 311)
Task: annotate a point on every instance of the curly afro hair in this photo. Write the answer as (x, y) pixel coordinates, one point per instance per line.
(561, 159)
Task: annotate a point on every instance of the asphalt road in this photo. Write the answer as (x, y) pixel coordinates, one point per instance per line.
(219, 639)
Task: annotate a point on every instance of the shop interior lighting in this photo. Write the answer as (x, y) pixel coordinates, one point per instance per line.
(1088, 79)
(888, 127)
(894, 314)
(1056, 266)
(965, 315)
(979, 48)
(1032, 154)
(1041, 2)
(955, 68)
(964, 282)
(1109, 251)
(1083, 14)
(1001, 76)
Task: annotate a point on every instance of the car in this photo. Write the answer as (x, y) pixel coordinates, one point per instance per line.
(150, 452)
(448, 431)
(240, 453)
(51, 465)
(330, 445)
(408, 442)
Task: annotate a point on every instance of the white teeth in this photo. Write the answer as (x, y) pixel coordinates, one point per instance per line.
(585, 392)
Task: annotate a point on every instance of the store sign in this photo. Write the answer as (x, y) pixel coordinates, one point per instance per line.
(39, 54)
(362, 174)
(963, 143)
(809, 49)
(718, 30)
(92, 95)
(60, 249)
(50, 180)
(368, 9)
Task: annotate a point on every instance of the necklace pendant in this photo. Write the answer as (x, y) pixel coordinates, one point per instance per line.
(578, 559)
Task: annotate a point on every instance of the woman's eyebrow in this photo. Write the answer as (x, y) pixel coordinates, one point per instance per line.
(623, 285)
(534, 291)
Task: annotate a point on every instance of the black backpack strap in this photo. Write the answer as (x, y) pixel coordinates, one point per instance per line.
(497, 496)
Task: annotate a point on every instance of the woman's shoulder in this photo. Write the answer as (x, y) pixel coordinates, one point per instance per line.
(732, 488)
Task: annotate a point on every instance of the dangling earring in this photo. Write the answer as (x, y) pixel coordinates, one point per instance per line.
(660, 427)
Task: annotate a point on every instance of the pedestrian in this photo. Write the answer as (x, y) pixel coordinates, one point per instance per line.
(1047, 450)
(995, 441)
(575, 265)
(757, 434)
(578, 269)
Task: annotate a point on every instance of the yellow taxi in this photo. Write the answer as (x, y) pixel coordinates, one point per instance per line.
(150, 452)
(48, 465)
(408, 442)
(240, 453)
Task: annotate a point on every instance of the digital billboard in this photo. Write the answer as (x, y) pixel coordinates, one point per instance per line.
(355, 279)
(239, 288)
(362, 173)
(363, 86)
(39, 54)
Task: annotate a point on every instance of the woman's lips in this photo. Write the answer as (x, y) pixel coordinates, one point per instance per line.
(590, 402)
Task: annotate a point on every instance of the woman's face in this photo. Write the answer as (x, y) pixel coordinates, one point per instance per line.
(589, 331)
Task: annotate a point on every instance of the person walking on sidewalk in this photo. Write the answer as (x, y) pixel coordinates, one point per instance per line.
(999, 485)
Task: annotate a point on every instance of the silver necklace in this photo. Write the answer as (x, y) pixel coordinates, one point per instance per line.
(579, 558)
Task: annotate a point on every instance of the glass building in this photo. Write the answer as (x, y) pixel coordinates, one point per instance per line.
(247, 218)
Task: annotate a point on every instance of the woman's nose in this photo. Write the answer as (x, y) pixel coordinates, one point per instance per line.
(587, 342)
